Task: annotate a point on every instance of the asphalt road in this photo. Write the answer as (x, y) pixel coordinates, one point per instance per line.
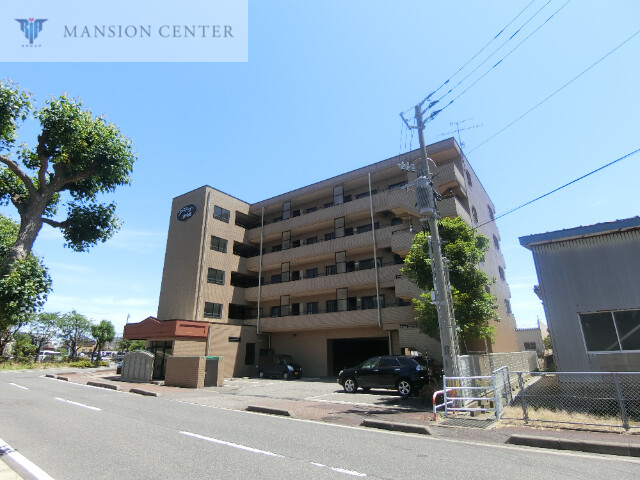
(77, 432)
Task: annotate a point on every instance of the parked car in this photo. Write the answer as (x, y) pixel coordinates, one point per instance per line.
(277, 365)
(396, 372)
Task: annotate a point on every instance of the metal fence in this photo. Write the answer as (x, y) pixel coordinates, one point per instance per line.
(606, 399)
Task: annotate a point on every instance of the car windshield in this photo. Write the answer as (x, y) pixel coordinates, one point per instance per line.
(421, 360)
(287, 360)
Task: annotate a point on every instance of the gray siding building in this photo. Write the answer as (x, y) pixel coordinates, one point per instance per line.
(590, 289)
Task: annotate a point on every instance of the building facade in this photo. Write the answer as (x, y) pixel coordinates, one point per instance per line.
(589, 278)
(315, 272)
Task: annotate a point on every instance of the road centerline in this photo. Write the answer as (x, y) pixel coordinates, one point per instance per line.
(231, 444)
(19, 386)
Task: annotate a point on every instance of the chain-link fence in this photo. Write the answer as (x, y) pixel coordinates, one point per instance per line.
(608, 399)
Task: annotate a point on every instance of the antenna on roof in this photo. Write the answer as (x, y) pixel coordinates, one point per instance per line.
(458, 129)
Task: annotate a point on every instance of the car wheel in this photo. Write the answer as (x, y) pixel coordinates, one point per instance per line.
(405, 388)
(350, 385)
(285, 375)
(261, 374)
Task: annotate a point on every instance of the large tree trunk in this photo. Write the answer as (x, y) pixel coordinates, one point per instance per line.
(30, 225)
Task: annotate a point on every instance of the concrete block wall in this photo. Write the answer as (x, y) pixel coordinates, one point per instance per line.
(185, 372)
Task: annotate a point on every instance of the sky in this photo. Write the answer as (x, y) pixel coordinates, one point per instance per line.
(320, 94)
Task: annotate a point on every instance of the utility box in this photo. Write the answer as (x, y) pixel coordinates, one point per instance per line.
(213, 376)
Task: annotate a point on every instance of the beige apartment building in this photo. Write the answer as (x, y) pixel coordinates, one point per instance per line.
(314, 272)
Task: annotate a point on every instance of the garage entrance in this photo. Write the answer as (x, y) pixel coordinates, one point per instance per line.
(348, 352)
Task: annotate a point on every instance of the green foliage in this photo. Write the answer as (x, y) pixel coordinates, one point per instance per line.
(131, 345)
(74, 330)
(24, 285)
(43, 327)
(546, 341)
(78, 154)
(23, 348)
(464, 248)
(103, 332)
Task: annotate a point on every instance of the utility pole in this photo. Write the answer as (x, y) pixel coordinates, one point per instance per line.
(427, 208)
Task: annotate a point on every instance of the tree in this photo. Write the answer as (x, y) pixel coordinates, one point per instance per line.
(74, 330)
(474, 308)
(131, 345)
(546, 341)
(23, 348)
(24, 285)
(44, 327)
(103, 332)
(77, 158)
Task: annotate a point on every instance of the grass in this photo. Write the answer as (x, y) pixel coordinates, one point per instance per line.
(543, 417)
(30, 365)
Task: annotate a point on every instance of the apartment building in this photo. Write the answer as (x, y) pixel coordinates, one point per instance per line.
(314, 272)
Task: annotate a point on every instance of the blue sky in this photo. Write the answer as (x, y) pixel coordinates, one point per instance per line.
(321, 94)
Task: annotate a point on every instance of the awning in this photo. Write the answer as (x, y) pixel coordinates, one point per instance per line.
(153, 329)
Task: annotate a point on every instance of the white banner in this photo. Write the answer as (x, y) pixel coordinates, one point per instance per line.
(124, 31)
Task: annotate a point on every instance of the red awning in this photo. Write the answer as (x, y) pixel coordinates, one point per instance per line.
(153, 329)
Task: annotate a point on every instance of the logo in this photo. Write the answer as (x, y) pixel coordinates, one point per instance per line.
(31, 27)
(186, 212)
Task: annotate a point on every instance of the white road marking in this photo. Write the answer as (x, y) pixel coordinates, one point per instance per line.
(95, 409)
(34, 470)
(19, 386)
(270, 454)
(234, 445)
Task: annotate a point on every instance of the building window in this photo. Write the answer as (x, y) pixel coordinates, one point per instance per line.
(611, 331)
(490, 212)
(329, 236)
(366, 194)
(398, 185)
(276, 278)
(338, 227)
(368, 263)
(474, 214)
(328, 205)
(250, 354)
(218, 244)
(312, 240)
(501, 272)
(311, 273)
(469, 182)
(396, 221)
(530, 346)
(212, 310)
(276, 248)
(286, 210)
(221, 214)
(332, 306)
(507, 305)
(275, 311)
(496, 243)
(215, 276)
(342, 295)
(370, 302)
(312, 308)
(330, 270)
(311, 209)
(338, 195)
(363, 228)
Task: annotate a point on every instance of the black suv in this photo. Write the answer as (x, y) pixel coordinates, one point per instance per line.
(396, 372)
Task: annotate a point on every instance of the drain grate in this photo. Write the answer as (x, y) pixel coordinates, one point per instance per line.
(465, 422)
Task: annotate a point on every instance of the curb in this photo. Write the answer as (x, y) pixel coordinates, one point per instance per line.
(397, 427)
(147, 393)
(590, 446)
(110, 386)
(271, 411)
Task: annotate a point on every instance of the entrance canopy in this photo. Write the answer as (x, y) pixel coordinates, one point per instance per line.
(153, 329)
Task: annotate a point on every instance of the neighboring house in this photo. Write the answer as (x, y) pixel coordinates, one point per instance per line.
(590, 289)
(532, 338)
(314, 272)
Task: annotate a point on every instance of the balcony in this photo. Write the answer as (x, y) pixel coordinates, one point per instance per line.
(324, 248)
(406, 289)
(397, 200)
(326, 283)
(450, 179)
(452, 207)
(391, 317)
(401, 241)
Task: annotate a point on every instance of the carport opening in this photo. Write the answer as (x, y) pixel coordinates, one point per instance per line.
(349, 352)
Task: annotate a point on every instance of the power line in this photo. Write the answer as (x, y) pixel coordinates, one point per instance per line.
(558, 90)
(498, 63)
(478, 52)
(495, 51)
(560, 188)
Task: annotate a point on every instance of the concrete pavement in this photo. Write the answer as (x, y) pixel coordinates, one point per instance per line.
(301, 400)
